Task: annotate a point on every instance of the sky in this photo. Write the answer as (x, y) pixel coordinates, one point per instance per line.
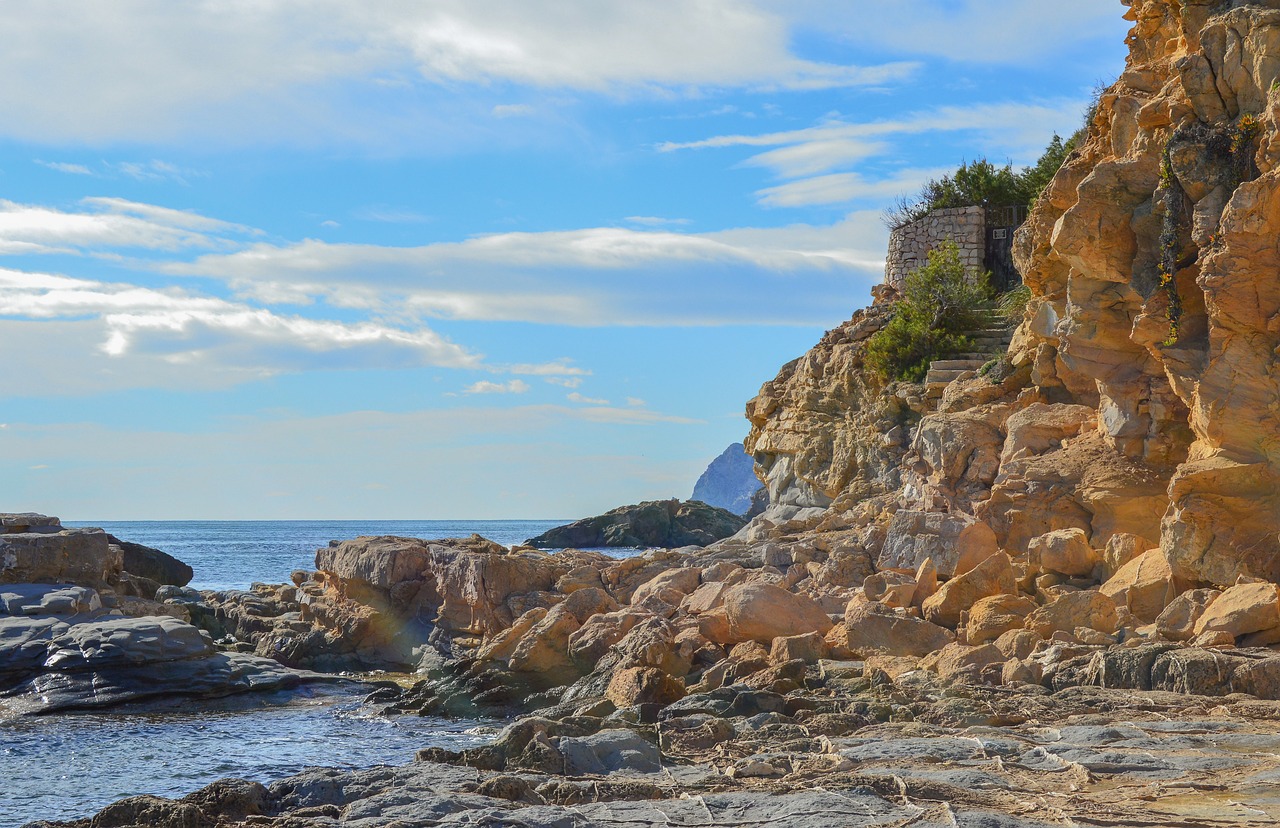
(462, 259)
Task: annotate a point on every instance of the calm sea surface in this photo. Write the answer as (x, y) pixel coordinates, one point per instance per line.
(69, 766)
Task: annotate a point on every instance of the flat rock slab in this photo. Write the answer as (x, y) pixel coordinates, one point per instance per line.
(221, 674)
(48, 599)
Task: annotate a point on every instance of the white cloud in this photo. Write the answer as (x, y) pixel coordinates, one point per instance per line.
(107, 223)
(273, 69)
(64, 167)
(389, 215)
(584, 400)
(635, 402)
(512, 110)
(810, 155)
(485, 387)
(556, 369)
(190, 340)
(566, 382)
(841, 188)
(156, 170)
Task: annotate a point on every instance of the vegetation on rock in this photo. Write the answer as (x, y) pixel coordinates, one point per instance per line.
(941, 302)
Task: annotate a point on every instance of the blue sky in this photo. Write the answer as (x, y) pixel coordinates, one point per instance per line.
(462, 258)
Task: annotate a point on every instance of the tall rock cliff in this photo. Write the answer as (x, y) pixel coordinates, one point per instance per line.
(1140, 399)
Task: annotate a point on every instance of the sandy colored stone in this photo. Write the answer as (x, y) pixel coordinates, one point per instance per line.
(1242, 609)
(994, 576)
(1065, 551)
(875, 627)
(1145, 585)
(996, 615)
(643, 685)
(1178, 620)
(1088, 608)
(809, 648)
(763, 612)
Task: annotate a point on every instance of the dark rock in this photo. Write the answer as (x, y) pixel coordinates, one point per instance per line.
(146, 562)
(662, 523)
(730, 481)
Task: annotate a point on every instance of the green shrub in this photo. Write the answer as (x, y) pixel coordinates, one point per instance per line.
(941, 302)
(1013, 304)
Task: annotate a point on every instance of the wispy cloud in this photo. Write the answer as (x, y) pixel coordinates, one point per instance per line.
(389, 215)
(584, 400)
(65, 167)
(182, 71)
(515, 386)
(156, 170)
(512, 110)
(658, 221)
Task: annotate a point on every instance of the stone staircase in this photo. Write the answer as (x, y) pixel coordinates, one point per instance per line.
(989, 341)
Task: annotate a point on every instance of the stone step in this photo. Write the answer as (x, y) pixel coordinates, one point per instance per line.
(945, 376)
(959, 364)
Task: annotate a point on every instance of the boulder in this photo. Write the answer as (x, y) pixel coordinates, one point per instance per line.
(53, 555)
(589, 643)
(681, 581)
(808, 648)
(1065, 551)
(609, 751)
(955, 543)
(956, 661)
(643, 685)
(763, 612)
(874, 627)
(1089, 609)
(146, 562)
(1178, 620)
(993, 576)
(1242, 609)
(659, 523)
(1146, 585)
(995, 615)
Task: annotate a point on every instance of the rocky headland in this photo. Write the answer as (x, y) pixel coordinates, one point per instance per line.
(1043, 593)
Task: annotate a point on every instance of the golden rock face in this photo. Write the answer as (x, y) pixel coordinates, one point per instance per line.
(1142, 390)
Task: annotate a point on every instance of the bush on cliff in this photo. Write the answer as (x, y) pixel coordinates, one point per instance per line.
(941, 302)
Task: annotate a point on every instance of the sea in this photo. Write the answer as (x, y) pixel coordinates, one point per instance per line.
(68, 766)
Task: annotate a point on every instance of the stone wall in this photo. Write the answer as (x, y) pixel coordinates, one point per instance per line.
(910, 244)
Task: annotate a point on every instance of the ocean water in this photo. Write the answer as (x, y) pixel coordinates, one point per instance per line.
(69, 766)
(232, 554)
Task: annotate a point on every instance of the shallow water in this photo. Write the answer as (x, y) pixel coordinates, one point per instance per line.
(69, 766)
(232, 554)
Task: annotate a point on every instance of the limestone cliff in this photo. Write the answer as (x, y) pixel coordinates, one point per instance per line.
(1140, 399)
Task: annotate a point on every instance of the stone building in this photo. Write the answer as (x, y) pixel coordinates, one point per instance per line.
(983, 236)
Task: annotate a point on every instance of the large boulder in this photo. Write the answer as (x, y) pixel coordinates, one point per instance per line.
(994, 576)
(37, 549)
(763, 612)
(1146, 585)
(1067, 613)
(874, 627)
(996, 615)
(1242, 609)
(955, 543)
(1064, 551)
(662, 523)
(152, 564)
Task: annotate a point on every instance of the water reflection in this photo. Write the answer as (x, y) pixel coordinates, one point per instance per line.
(68, 766)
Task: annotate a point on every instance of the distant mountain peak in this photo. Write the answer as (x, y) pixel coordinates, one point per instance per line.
(729, 482)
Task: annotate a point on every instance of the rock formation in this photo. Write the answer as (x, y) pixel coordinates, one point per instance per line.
(78, 631)
(662, 523)
(730, 481)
